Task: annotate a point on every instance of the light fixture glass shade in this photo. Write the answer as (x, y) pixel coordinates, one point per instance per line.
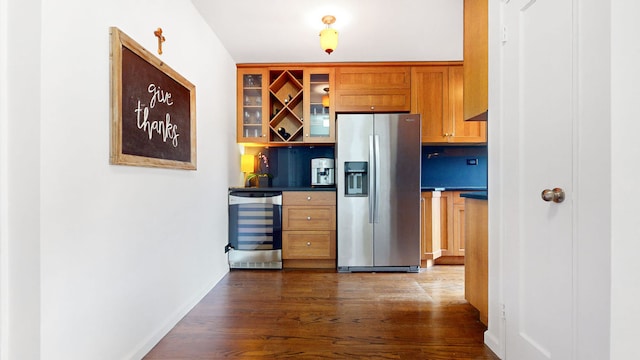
(247, 163)
(325, 100)
(328, 40)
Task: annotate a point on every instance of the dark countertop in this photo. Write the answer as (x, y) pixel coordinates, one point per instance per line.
(479, 195)
(453, 188)
(318, 188)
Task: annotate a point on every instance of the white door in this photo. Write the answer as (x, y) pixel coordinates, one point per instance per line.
(537, 112)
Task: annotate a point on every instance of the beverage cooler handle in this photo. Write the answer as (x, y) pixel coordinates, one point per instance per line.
(371, 169)
(376, 175)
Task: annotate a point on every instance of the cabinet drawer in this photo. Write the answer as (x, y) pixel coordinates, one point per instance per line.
(308, 245)
(309, 198)
(308, 217)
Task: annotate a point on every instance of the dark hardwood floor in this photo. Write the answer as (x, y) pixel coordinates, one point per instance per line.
(299, 314)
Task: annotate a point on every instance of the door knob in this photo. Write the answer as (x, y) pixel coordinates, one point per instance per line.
(556, 195)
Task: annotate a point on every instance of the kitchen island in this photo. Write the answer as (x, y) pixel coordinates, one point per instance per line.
(476, 252)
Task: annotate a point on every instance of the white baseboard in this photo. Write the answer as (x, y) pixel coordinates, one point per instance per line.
(493, 342)
(170, 323)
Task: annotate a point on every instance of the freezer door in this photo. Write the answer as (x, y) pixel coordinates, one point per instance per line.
(397, 227)
(355, 232)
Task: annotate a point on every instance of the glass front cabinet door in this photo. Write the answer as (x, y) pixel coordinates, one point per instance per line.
(319, 117)
(253, 94)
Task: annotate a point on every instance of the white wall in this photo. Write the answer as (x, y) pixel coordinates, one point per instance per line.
(19, 174)
(105, 259)
(625, 172)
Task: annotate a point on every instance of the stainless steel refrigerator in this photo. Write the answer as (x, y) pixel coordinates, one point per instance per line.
(378, 173)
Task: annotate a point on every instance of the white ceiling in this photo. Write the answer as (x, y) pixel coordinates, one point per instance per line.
(264, 31)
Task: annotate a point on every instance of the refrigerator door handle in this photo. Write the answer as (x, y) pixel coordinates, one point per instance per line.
(371, 180)
(376, 174)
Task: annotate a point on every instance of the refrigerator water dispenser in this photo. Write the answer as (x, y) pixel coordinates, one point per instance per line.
(356, 178)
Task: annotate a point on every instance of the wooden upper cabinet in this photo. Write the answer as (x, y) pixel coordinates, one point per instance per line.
(252, 110)
(373, 89)
(437, 95)
(430, 99)
(319, 116)
(283, 105)
(476, 59)
(462, 131)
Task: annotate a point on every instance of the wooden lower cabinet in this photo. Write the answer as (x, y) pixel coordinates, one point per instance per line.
(443, 228)
(309, 229)
(452, 228)
(429, 249)
(476, 270)
(309, 245)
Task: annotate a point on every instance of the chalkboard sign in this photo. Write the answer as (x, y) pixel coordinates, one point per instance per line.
(152, 109)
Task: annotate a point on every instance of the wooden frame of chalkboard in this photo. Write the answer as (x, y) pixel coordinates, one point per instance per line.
(153, 120)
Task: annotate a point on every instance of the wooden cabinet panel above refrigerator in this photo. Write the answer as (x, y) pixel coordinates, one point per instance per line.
(373, 89)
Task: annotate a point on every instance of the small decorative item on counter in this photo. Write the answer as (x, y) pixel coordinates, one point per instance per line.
(262, 175)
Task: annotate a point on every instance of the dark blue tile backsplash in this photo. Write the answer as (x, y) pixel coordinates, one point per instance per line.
(442, 166)
(451, 167)
(291, 166)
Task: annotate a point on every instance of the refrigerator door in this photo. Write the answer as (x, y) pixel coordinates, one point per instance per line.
(397, 198)
(354, 134)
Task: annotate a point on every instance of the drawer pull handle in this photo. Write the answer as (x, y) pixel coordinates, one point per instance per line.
(308, 243)
(308, 198)
(308, 217)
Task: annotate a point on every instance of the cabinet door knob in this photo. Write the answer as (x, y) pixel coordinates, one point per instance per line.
(308, 198)
(308, 243)
(308, 217)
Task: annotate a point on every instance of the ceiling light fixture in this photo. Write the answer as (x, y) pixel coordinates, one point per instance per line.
(328, 36)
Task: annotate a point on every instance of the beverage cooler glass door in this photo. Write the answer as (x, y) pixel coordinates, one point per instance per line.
(255, 230)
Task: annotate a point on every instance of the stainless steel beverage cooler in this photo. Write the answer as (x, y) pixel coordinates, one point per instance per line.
(255, 230)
